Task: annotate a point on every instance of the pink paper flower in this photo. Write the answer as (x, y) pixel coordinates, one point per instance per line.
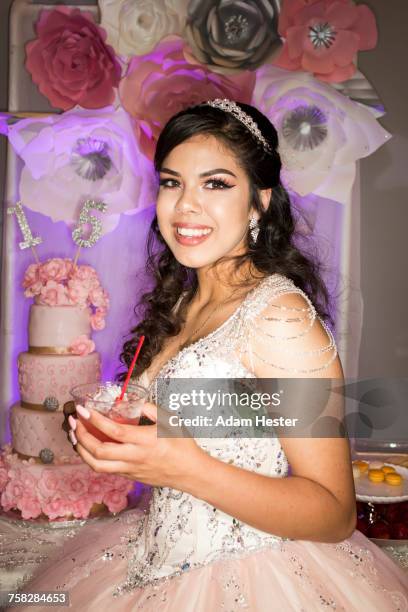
(54, 294)
(324, 36)
(82, 345)
(162, 83)
(98, 320)
(70, 62)
(53, 269)
(115, 501)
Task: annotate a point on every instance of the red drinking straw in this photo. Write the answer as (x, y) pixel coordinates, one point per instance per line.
(132, 365)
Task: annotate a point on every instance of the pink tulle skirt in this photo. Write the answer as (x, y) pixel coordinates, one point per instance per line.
(354, 575)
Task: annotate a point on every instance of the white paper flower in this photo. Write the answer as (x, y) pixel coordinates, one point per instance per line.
(321, 132)
(79, 155)
(135, 27)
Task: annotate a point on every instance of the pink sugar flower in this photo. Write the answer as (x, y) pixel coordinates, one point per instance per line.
(53, 269)
(70, 62)
(98, 320)
(82, 507)
(82, 345)
(53, 294)
(115, 501)
(48, 484)
(3, 477)
(29, 507)
(162, 83)
(77, 292)
(31, 281)
(96, 490)
(324, 36)
(55, 507)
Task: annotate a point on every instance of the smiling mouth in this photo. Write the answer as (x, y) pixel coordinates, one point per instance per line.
(191, 232)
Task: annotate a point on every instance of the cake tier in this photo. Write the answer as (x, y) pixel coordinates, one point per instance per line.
(69, 489)
(34, 430)
(57, 326)
(42, 376)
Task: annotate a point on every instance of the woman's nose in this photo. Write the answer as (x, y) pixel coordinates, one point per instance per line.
(188, 202)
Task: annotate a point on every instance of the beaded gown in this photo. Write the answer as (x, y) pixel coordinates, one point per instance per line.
(182, 554)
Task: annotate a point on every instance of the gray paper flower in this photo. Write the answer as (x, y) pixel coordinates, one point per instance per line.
(233, 35)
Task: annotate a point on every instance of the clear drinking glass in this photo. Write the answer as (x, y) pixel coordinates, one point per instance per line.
(102, 396)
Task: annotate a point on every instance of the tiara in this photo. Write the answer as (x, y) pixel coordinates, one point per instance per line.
(231, 107)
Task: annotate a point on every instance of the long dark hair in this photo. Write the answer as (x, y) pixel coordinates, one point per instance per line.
(274, 250)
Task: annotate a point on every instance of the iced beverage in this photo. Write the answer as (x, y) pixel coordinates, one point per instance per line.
(104, 397)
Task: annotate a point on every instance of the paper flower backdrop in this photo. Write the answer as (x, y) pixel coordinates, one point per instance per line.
(162, 83)
(323, 37)
(321, 133)
(79, 155)
(134, 27)
(171, 55)
(70, 62)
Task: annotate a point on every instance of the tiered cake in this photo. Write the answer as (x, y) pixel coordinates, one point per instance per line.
(40, 473)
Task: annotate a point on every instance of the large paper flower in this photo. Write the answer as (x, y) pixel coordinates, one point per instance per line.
(163, 83)
(233, 35)
(82, 155)
(135, 27)
(70, 62)
(321, 133)
(323, 37)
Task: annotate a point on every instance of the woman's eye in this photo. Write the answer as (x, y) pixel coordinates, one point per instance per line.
(164, 182)
(216, 184)
(219, 184)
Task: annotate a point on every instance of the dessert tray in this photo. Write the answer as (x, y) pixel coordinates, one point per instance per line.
(382, 492)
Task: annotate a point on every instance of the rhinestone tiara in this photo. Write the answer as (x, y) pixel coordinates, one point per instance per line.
(230, 106)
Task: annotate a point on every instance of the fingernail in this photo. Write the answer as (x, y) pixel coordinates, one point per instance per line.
(73, 438)
(83, 411)
(72, 422)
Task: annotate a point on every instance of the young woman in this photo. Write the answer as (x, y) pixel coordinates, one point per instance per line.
(229, 526)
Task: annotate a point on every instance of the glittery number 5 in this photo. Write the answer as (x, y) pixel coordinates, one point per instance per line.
(84, 218)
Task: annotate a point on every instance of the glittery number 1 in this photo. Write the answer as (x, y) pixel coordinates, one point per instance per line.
(85, 218)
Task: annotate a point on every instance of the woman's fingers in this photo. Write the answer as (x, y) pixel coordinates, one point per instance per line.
(100, 465)
(111, 451)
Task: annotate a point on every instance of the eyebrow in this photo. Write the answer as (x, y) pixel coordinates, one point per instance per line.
(207, 173)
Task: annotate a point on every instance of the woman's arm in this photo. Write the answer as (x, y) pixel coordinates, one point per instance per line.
(317, 502)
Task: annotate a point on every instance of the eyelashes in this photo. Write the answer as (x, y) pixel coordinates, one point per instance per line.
(218, 184)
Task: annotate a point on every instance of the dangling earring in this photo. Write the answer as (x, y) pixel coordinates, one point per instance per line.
(254, 229)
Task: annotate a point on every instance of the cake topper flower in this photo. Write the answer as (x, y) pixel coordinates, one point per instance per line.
(60, 282)
(324, 36)
(70, 61)
(162, 83)
(134, 27)
(233, 35)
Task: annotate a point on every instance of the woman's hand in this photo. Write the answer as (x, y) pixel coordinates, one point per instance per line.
(139, 453)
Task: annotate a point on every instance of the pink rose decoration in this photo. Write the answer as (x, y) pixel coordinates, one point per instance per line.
(48, 484)
(81, 507)
(77, 486)
(82, 346)
(98, 321)
(162, 83)
(54, 294)
(55, 508)
(3, 477)
(53, 269)
(115, 501)
(31, 281)
(29, 507)
(97, 297)
(96, 490)
(324, 36)
(70, 62)
(77, 292)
